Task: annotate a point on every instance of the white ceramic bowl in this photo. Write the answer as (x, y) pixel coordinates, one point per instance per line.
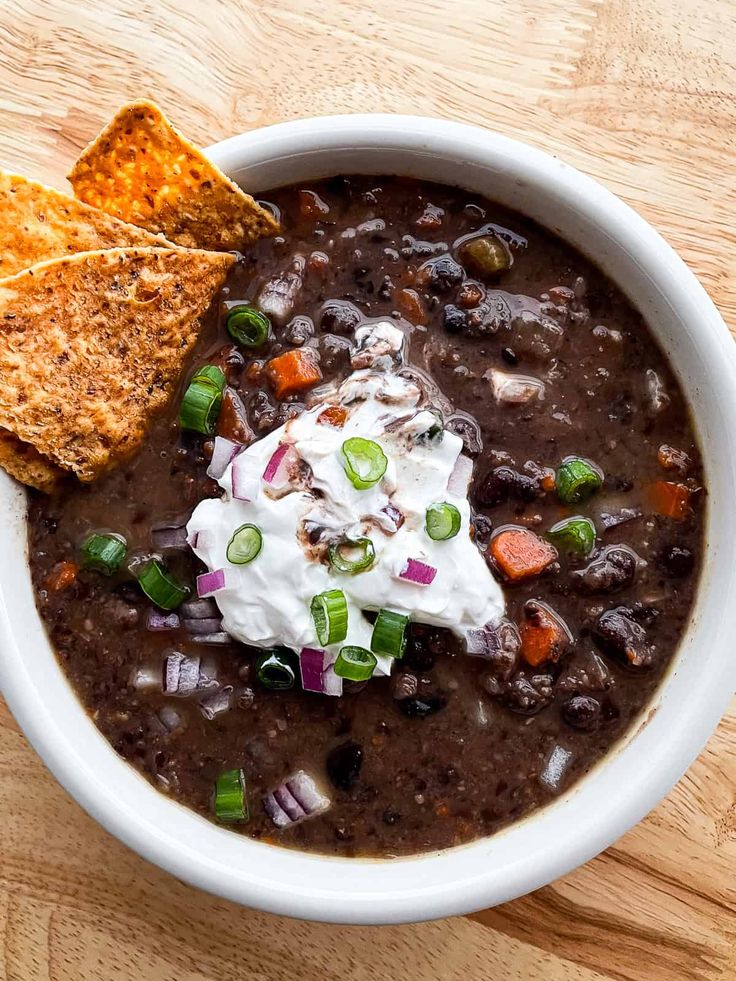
(630, 780)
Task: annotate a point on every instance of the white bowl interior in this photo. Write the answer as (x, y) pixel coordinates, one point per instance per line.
(644, 766)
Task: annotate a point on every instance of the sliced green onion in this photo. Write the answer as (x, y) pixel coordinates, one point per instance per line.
(355, 664)
(276, 668)
(200, 406)
(103, 553)
(247, 326)
(330, 615)
(231, 803)
(160, 587)
(212, 374)
(244, 546)
(364, 461)
(442, 521)
(389, 633)
(351, 555)
(574, 535)
(576, 480)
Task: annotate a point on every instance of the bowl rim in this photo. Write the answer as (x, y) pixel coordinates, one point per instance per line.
(487, 871)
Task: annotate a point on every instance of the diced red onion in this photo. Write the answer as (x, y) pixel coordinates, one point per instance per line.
(198, 609)
(278, 295)
(206, 625)
(215, 639)
(147, 677)
(460, 477)
(200, 539)
(515, 389)
(156, 620)
(169, 539)
(170, 718)
(332, 681)
(181, 674)
(390, 519)
(312, 666)
(555, 769)
(223, 452)
(245, 483)
(294, 800)
(277, 472)
(492, 638)
(210, 582)
(418, 572)
(214, 705)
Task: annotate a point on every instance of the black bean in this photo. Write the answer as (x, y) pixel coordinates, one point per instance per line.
(419, 708)
(582, 712)
(482, 527)
(343, 765)
(620, 637)
(527, 695)
(454, 319)
(440, 274)
(391, 817)
(503, 484)
(676, 561)
(298, 331)
(339, 317)
(509, 356)
(613, 570)
(418, 654)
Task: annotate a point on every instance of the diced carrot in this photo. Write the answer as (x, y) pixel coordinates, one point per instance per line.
(520, 554)
(547, 483)
(544, 636)
(294, 371)
(333, 415)
(410, 304)
(62, 576)
(670, 499)
(670, 458)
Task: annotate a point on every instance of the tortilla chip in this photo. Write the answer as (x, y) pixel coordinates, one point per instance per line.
(39, 223)
(26, 464)
(142, 170)
(91, 346)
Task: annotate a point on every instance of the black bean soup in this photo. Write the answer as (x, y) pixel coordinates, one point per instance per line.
(587, 503)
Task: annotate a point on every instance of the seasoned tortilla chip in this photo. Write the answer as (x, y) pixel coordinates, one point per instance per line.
(39, 223)
(144, 171)
(91, 345)
(26, 464)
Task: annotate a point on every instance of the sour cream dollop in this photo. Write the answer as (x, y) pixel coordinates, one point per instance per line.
(267, 602)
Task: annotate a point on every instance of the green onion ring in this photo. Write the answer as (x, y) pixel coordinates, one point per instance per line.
(103, 552)
(576, 479)
(200, 406)
(389, 634)
(245, 545)
(248, 326)
(442, 521)
(574, 534)
(160, 587)
(364, 462)
(355, 664)
(231, 803)
(341, 563)
(330, 614)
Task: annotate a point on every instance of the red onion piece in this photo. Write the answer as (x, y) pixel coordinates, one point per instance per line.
(277, 469)
(278, 295)
(156, 620)
(214, 705)
(210, 582)
(215, 640)
(245, 484)
(418, 572)
(294, 800)
(199, 609)
(390, 519)
(200, 539)
(183, 675)
(205, 625)
(312, 666)
(460, 477)
(332, 681)
(169, 539)
(555, 769)
(223, 452)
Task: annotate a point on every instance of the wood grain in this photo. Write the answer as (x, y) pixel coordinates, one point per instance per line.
(641, 96)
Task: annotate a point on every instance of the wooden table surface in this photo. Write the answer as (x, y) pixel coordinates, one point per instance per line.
(641, 95)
